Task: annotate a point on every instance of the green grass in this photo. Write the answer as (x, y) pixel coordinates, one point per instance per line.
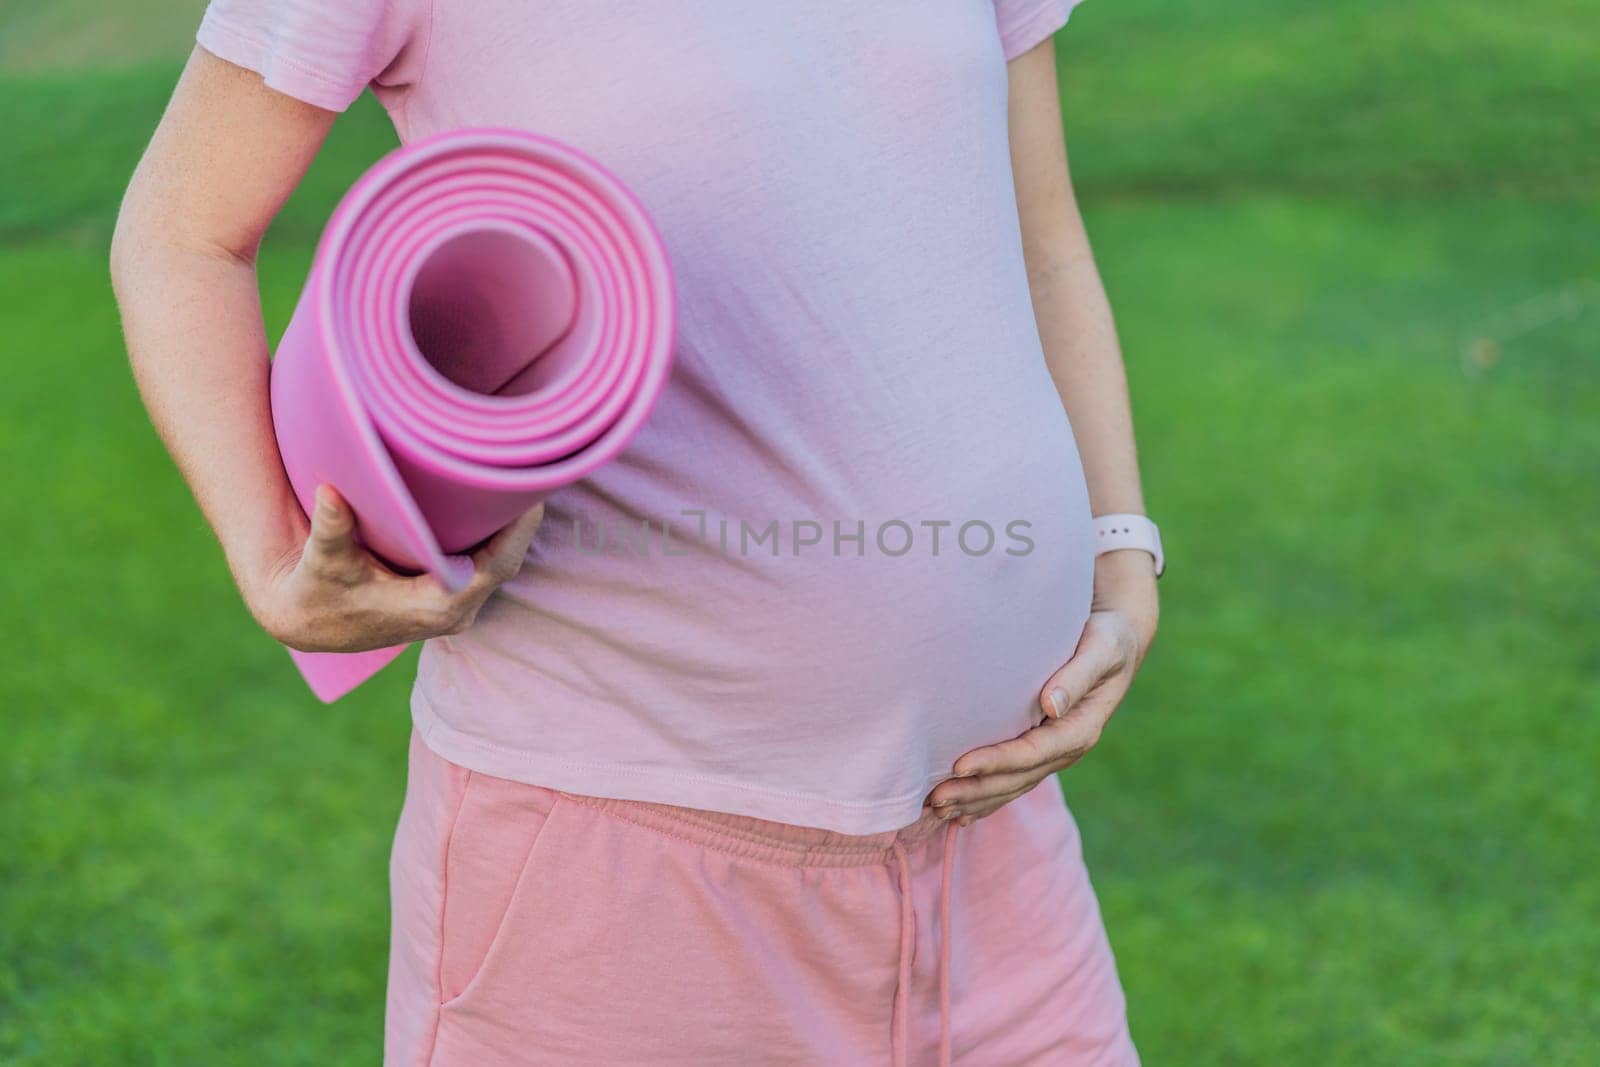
(75, 34)
(1345, 818)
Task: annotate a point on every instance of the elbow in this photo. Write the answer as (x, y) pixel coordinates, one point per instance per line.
(132, 261)
(121, 262)
(126, 239)
(147, 242)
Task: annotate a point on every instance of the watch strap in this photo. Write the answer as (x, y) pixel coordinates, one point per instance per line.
(1128, 530)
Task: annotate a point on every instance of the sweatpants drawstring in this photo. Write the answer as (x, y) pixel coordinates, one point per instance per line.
(902, 996)
(902, 993)
(944, 942)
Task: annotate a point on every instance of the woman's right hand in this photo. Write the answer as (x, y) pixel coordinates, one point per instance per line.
(331, 595)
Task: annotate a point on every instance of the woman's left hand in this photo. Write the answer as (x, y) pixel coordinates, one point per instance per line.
(1078, 700)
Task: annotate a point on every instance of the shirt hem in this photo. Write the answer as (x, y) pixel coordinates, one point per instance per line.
(1043, 22)
(278, 71)
(621, 781)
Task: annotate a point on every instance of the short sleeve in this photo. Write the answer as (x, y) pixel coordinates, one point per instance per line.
(1025, 23)
(324, 52)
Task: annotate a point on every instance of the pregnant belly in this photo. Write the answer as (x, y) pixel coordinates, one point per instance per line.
(962, 638)
(851, 661)
(926, 633)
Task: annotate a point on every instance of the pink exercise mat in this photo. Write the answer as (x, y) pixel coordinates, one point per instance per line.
(489, 317)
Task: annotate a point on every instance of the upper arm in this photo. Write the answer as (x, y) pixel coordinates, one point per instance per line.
(253, 106)
(226, 155)
(1052, 229)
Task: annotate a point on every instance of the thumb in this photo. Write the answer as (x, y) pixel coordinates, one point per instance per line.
(333, 524)
(1073, 682)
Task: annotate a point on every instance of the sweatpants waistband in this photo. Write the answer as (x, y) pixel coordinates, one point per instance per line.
(775, 842)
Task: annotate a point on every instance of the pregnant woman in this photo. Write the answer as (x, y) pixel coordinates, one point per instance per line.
(744, 749)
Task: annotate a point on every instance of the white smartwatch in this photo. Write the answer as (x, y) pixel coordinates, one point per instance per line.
(1128, 530)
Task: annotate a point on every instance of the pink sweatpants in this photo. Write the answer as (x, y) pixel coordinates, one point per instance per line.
(532, 926)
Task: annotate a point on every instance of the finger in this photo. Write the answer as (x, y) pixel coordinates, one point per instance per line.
(1051, 740)
(421, 606)
(967, 791)
(979, 787)
(425, 607)
(502, 556)
(331, 543)
(968, 813)
(495, 563)
(967, 818)
(1095, 660)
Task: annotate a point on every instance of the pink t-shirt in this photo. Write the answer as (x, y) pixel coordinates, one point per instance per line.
(854, 539)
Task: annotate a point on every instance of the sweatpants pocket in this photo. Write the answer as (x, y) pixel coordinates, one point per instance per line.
(492, 852)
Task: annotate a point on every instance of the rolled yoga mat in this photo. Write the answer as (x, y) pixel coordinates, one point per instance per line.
(489, 317)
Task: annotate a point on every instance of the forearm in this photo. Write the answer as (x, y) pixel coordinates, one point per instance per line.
(225, 156)
(192, 321)
(1076, 328)
(1085, 361)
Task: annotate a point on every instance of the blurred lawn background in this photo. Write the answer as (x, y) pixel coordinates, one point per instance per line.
(1347, 815)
